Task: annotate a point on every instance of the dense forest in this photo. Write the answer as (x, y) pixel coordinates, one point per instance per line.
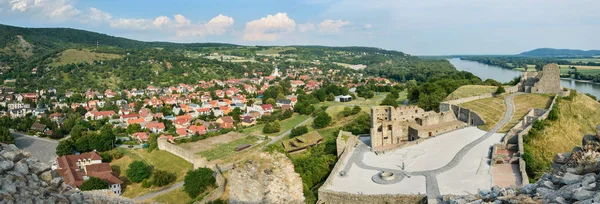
(550, 52)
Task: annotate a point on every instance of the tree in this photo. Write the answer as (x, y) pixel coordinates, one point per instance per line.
(356, 110)
(499, 90)
(196, 181)
(82, 144)
(272, 127)
(270, 101)
(322, 120)
(138, 171)
(389, 100)
(64, 147)
(77, 131)
(300, 130)
(162, 178)
(287, 114)
(5, 136)
(133, 128)
(93, 183)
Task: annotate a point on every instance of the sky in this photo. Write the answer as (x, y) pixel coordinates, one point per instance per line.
(432, 27)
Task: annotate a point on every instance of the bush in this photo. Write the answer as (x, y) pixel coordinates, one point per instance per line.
(272, 127)
(500, 90)
(93, 183)
(5, 136)
(553, 115)
(146, 184)
(64, 147)
(300, 130)
(162, 178)
(138, 171)
(197, 181)
(322, 120)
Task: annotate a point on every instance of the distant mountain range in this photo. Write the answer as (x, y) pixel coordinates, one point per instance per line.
(551, 52)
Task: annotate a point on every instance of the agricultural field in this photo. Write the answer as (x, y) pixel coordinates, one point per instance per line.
(579, 67)
(523, 104)
(584, 60)
(529, 68)
(226, 149)
(156, 158)
(577, 118)
(490, 109)
(76, 56)
(471, 90)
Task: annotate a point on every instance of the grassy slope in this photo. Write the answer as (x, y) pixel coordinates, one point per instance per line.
(577, 118)
(226, 149)
(159, 159)
(523, 104)
(490, 109)
(79, 56)
(471, 90)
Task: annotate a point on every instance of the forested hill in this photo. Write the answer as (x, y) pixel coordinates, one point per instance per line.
(551, 52)
(57, 38)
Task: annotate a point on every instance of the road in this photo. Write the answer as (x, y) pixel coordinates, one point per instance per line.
(159, 192)
(41, 148)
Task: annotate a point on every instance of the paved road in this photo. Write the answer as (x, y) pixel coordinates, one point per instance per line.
(157, 193)
(432, 188)
(41, 148)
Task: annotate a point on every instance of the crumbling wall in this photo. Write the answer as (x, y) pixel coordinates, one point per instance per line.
(197, 160)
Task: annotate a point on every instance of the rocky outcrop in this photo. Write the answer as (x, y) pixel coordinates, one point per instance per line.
(24, 179)
(575, 178)
(267, 178)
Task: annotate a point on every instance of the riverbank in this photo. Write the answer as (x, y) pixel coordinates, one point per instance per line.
(580, 80)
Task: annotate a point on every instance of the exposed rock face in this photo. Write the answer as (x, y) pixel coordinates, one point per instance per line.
(268, 178)
(574, 179)
(24, 179)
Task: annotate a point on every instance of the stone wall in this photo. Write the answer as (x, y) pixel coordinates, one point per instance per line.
(388, 124)
(24, 179)
(512, 89)
(549, 81)
(217, 193)
(328, 196)
(197, 160)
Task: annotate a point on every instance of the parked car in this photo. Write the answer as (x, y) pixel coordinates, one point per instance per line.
(130, 146)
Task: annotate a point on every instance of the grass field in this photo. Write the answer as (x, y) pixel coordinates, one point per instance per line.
(226, 149)
(79, 56)
(159, 159)
(577, 118)
(302, 141)
(579, 67)
(286, 125)
(523, 104)
(490, 109)
(175, 196)
(471, 90)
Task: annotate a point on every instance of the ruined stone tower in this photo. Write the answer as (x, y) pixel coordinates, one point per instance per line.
(545, 81)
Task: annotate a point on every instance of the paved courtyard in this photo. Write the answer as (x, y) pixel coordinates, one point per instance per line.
(40, 148)
(471, 173)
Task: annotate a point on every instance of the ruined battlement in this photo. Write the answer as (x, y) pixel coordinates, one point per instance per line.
(545, 81)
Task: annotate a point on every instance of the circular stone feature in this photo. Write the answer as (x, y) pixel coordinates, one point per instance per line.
(385, 177)
(388, 176)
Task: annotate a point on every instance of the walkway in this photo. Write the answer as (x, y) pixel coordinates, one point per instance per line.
(432, 187)
(151, 195)
(41, 148)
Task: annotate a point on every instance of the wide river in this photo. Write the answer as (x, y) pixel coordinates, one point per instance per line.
(500, 74)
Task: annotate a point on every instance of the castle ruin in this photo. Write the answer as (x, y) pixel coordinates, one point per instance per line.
(546, 81)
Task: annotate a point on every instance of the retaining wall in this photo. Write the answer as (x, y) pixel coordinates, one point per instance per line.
(217, 193)
(197, 160)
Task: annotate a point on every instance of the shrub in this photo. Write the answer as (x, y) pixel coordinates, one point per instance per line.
(197, 181)
(93, 183)
(138, 171)
(162, 178)
(5, 136)
(322, 120)
(500, 90)
(300, 130)
(146, 183)
(272, 127)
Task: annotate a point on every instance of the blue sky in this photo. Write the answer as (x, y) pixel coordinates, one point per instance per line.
(412, 26)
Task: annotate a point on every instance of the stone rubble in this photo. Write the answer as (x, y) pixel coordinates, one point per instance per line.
(24, 179)
(574, 178)
(268, 178)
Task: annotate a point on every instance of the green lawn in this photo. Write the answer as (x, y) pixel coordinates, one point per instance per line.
(471, 90)
(159, 159)
(286, 125)
(71, 56)
(226, 149)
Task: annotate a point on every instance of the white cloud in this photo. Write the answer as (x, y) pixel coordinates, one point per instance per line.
(53, 10)
(216, 26)
(368, 26)
(269, 28)
(161, 21)
(306, 27)
(181, 20)
(332, 26)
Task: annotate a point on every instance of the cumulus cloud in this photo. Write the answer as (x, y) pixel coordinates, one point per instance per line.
(306, 27)
(269, 28)
(216, 26)
(55, 10)
(332, 26)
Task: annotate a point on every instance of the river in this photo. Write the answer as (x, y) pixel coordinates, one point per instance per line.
(500, 74)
